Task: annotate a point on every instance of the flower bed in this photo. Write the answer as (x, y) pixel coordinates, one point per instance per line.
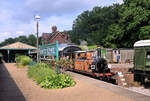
(46, 77)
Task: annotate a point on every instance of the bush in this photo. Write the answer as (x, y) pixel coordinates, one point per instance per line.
(39, 71)
(58, 81)
(23, 60)
(46, 77)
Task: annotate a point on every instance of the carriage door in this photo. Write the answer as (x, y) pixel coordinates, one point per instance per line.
(147, 64)
(139, 58)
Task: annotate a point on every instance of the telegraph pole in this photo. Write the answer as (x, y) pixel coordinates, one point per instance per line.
(37, 39)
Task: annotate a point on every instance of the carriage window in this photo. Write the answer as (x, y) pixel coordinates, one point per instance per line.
(148, 54)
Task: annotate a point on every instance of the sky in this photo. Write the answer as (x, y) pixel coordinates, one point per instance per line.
(17, 16)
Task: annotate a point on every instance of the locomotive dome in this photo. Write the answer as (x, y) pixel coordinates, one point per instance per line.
(142, 43)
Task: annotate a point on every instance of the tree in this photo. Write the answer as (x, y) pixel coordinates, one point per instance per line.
(32, 40)
(22, 39)
(133, 25)
(92, 26)
(80, 27)
(7, 41)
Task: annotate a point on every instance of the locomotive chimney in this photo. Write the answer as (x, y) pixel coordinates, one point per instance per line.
(98, 51)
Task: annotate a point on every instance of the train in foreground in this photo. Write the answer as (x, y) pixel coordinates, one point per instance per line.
(88, 63)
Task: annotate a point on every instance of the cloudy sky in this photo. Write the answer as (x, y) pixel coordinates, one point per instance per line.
(17, 16)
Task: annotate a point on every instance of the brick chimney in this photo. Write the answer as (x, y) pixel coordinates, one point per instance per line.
(54, 29)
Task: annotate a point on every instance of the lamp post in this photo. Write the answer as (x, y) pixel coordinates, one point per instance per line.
(37, 17)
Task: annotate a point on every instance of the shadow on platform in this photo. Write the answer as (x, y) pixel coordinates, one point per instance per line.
(9, 90)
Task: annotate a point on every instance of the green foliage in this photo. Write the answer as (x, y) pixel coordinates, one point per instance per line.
(82, 48)
(57, 81)
(116, 26)
(39, 71)
(132, 26)
(31, 40)
(92, 47)
(113, 39)
(63, 64)
(46, 77)
(23, 60)
(92, 26)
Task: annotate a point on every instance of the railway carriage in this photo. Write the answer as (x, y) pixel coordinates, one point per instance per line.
(142, 61)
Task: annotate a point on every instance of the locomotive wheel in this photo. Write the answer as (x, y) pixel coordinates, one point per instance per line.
(105, 78)
(137, 77)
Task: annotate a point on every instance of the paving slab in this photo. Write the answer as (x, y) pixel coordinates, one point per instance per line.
(9, 91)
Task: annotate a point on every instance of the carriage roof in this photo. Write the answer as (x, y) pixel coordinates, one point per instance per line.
(142, 43)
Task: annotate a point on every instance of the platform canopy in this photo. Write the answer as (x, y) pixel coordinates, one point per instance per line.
(10, 51)
(18, 46)
(142, 43)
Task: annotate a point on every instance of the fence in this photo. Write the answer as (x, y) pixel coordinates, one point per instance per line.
(125, 55)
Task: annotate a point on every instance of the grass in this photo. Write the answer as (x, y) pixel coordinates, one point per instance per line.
(92, 47)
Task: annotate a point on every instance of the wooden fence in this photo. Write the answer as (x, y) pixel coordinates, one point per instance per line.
(125, 55)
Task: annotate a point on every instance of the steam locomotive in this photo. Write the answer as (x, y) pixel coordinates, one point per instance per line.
(89, 63)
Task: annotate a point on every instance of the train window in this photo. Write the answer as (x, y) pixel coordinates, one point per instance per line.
(148, 54)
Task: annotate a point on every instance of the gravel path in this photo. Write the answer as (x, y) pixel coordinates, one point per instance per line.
(83, 91)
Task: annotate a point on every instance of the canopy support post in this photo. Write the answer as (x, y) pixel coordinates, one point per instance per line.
(8, 51)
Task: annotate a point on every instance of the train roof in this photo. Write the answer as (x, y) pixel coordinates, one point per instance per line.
(142, 43)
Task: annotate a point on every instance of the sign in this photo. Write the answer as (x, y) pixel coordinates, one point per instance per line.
(50, 50)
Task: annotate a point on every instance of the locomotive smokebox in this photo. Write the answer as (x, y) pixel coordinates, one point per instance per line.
(100, 65)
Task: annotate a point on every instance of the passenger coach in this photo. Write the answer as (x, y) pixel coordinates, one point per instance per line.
(142, 61)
